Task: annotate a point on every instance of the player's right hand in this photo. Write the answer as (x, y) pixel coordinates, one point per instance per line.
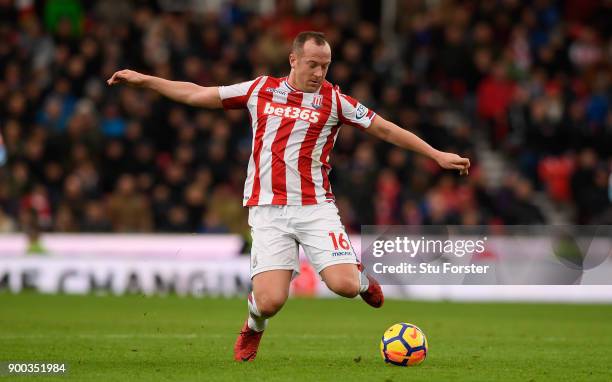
(128, 77)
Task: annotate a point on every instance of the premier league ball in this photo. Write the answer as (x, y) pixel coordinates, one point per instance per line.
(403, 345)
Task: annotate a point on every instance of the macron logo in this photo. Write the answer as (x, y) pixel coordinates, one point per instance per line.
(293, 112)
(276, 91)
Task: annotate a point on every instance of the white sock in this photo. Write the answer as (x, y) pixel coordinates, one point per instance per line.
(363, 281)
(255, 320)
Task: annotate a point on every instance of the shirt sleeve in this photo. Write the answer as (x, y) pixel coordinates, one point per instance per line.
(354, 113)
(236, 96)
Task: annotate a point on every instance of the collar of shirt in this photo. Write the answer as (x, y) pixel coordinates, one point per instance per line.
(285, 84)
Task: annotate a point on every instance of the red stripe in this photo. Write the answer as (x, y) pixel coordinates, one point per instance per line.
(310, 140)
(248, 95)
(279, 167)
(233, 102)
(262, 120)
(325, 168)
(339, 106)
(329, 144)
(350, 99)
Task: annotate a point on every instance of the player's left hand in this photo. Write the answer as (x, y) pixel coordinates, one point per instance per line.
(452, 161)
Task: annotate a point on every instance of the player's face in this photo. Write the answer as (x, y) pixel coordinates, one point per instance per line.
(310, 66)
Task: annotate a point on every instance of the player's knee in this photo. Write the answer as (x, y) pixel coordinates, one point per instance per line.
(269, 304)
(344, 286)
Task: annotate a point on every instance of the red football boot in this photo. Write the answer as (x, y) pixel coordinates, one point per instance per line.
(374, 295)
(247, 343)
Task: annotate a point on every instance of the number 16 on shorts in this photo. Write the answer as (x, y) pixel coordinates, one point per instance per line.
(339, 241)
(341, 244)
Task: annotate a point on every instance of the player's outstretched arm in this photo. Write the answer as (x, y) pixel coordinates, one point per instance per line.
(394, 134)
(184, 92)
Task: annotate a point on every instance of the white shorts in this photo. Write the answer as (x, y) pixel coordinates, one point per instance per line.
(277, 231)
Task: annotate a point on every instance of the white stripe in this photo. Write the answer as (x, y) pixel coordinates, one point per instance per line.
(265, 160)
(317, 176)
(292, 154)
(350, 113)
(252, 107)
(235, 90)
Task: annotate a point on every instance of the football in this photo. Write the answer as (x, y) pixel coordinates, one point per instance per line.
(403, 344)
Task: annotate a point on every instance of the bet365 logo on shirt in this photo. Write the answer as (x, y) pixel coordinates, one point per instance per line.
(293, 112)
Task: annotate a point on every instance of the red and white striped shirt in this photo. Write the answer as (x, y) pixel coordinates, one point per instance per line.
(293, 134)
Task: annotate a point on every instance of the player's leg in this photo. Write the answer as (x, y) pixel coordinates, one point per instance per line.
(274, 260)
(270, 292)
(342, 279)
(348, 280)
(329, 250)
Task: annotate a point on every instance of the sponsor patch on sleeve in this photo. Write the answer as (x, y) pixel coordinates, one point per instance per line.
(361, 111)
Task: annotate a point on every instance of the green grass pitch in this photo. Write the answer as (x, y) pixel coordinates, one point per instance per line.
(173, 338)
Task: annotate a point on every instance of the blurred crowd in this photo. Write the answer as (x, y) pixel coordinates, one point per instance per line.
(529, 80)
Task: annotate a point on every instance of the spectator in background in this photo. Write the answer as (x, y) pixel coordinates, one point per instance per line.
(556, 172)
(7, 224)
(128, 209)
(582, 183)
(494, 96)
(95, 219)
(534, 77)
(520, 208)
